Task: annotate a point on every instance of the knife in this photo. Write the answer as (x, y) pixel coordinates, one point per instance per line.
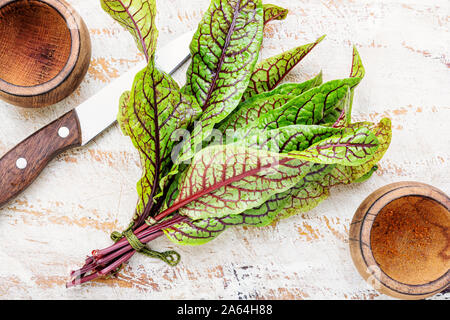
(22, 165)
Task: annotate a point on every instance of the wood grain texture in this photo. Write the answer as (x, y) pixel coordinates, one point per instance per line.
(45, 51)
(89, 192)
(429, 269)
(22, 164)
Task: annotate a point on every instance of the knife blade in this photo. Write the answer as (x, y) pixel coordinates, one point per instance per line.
(20, 166)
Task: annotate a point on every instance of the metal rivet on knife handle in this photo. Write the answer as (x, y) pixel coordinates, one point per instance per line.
(21, 163)
(63, 132)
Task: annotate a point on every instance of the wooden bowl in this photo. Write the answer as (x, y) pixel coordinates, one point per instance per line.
(45, 51)
(400, 240)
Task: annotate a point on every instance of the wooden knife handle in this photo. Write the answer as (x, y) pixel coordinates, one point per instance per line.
(21, 165)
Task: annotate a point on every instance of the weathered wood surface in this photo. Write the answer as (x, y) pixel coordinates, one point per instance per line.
(44, 52)
(89, 192)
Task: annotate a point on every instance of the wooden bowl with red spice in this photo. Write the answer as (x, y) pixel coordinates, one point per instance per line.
(400, 240)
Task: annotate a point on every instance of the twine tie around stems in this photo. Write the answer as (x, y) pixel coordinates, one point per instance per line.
(170, 257)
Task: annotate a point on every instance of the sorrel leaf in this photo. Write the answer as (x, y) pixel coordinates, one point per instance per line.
(270, 72)
(349, 147)
(358, 72)
(273, 12)
(361, 173)
(383, 133)
(124, 102)
(345, 117)
(285, 139)
(296, 89)
(319, 105)
(251, 109)
(306, 194)
(225, 180)
(197, 232)
(312, 191)
(341, 174)
(154, 110)
(303, 197)
(224, 52)
(138, 17)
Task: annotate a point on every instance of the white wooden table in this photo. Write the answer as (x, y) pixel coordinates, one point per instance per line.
(89, 192)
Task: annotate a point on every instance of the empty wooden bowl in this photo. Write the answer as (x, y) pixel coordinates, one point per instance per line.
(400, 240)
(45, 51)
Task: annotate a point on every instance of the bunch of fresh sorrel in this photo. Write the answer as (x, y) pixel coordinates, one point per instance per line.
(256, 151)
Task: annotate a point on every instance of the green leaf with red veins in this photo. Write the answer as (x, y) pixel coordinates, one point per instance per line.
(269, 73)
(224, 51)
(124, 102)
(340, 174)
(273, 12)
(344, 118)
(383, 133)
(357, 72)
(285, 139)
(367, 175)
(296, 89)
(155, 108)
(282, 140)
(349, 148)
(313, 189)
(224, 180)
(331, 154)
(305, 195)
(197, 232)
(138, 17)
(251, 109)
(361, 173)
(173, 190)
(320, 105)
(354, 174)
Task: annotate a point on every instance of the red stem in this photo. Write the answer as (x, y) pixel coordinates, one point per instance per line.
(82, 280)
(117, 264)
(141, 232)
(127, 248)
(122, 253)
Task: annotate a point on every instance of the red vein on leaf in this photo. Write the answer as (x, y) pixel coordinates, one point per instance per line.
(212, 188)
(141, 39)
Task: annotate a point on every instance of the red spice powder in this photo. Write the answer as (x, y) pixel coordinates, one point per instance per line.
(410, 240)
